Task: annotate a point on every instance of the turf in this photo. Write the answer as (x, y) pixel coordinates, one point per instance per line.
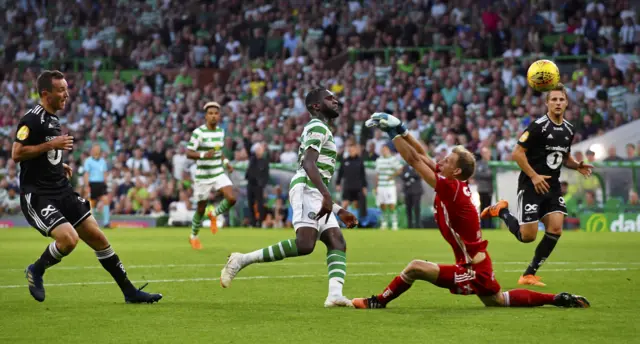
(283, 302)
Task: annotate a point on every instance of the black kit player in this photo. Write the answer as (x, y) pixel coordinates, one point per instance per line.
(47, 199)
(541, 151)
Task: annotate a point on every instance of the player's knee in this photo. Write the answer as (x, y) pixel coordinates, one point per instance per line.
(305, 247)
(528, 236)
(417, 268)
(337, 242)
(67, 239)
(557, 230)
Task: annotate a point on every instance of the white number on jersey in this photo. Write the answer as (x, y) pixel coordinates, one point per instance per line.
(54, 156)
(554, 160)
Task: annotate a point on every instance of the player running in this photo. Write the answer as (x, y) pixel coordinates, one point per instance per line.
(541, 151)
(205, 147)
(47, 199)
(308, 194)
(388, 167)
(459, 224)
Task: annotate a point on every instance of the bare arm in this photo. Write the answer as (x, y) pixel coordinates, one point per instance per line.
(20, 152)
(571, 163)
(309, 165)
(520, 157)
(413, 158)
(420, 150)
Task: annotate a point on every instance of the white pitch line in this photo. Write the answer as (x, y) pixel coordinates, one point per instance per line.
(580, 269)
(203, 279)
(165, 266)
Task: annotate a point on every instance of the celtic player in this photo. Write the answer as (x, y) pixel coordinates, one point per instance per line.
(313, 209)
(205, 147)
(388, 167)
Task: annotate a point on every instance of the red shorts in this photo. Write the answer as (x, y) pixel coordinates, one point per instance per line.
(478, 279)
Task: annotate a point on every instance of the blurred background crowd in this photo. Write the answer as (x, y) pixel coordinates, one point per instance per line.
(454, 71)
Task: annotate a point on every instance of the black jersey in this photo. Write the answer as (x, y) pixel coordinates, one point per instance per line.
(548, 145)
(44, 174)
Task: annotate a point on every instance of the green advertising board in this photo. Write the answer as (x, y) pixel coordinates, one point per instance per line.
(610, 222)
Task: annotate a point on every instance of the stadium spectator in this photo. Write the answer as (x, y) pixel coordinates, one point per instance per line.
(612, 154)
(631, 152)
(10, 202)
(484, 179)
(257, 177)
(262, 79)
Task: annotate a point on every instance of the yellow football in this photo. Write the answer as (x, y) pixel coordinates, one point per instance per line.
(543, 75)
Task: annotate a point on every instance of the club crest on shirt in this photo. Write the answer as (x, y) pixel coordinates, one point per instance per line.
(23, 133)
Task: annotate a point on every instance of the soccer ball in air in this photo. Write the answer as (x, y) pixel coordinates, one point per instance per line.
(543, 75)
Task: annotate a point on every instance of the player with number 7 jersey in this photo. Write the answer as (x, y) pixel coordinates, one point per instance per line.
(542, 150)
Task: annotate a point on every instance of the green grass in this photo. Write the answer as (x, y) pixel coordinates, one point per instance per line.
(285, 305)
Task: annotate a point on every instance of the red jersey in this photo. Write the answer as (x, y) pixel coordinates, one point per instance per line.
(458, 219)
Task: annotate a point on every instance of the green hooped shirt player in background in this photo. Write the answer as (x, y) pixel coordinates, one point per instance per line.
(205, 147)
(313, 208)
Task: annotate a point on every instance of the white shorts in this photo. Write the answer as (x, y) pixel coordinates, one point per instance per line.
(202, 190)
(306, 203)
(386, 195)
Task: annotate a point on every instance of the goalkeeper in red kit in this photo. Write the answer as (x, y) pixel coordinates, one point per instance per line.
(459, 224)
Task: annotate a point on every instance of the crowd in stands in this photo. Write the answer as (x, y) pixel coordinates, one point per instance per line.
(468, 87)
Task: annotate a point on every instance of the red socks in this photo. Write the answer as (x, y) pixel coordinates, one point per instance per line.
(394, 289)
(526, 298)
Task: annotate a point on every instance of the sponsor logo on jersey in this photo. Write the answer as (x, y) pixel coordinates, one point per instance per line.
(524, 136)
(46, 212)
(557, 148)
(23, 133)
(558, 128)
(312, 215)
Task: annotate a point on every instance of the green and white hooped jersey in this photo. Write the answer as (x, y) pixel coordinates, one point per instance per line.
(203, 140)
(386, 168)
(316, 135)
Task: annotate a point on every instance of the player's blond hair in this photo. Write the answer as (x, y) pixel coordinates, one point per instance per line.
(559, 87)
(466, 162)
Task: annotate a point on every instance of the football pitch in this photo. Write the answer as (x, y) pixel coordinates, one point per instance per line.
(282, 302)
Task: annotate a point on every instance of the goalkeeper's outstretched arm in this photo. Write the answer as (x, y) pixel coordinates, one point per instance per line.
(418, 147)
(421, 163)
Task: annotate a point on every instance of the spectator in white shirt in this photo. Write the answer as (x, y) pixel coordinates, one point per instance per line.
(289, 156)
(628, 33)
(138, 162)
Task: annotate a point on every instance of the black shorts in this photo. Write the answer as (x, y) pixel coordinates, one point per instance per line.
(45, 213)
(98, 189)
(533, 206)
(351, 195)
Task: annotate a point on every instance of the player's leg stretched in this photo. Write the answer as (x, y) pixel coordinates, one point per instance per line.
(430, 272)
(302, 245)
(65, 241)
(226, 204)
(196, 223)
(553, 231)
(90, 233)
(530, 298)
(336, 266)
